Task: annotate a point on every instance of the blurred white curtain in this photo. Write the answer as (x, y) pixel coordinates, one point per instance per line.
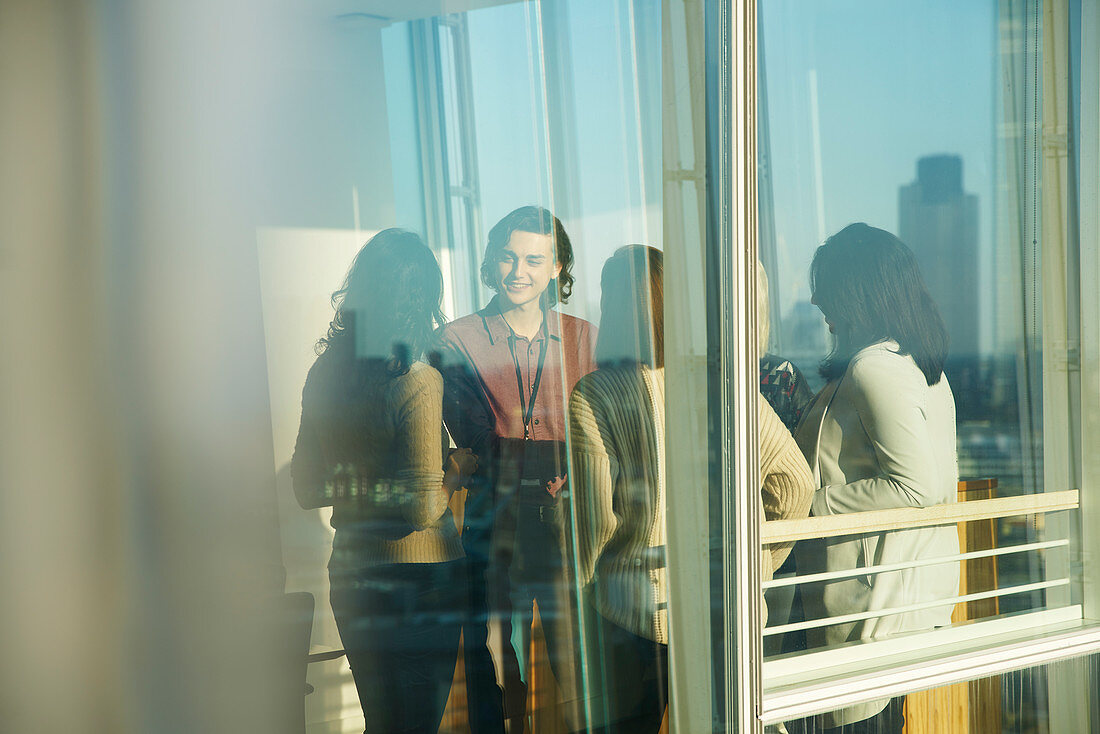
(138, 553)
(1018, 267)
(1060, 264)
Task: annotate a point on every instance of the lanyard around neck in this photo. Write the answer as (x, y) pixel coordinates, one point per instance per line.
(528, 410)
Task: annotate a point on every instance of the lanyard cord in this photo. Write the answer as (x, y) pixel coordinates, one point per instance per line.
(528, 410)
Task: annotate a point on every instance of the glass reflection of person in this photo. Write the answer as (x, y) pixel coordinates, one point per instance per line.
(880, 435)
(787, 393)
(616, 425)
(507, 371)
(616, 430)
(372, 445)
(781, 383)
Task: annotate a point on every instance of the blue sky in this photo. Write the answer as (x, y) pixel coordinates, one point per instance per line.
(897, 80)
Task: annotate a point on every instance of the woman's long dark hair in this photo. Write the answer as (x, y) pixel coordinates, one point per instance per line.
(389, 306)
(867, 283)
(632, 308)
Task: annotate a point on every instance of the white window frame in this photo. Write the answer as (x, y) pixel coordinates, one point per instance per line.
(1000, 646)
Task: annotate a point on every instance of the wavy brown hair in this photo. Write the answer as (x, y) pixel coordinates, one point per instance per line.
(536, 220)
(389, 305)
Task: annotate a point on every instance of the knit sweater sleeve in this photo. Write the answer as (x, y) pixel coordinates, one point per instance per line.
(786, 484)
(593, 480)
(309, 471)
(307, 466)
(418, 447)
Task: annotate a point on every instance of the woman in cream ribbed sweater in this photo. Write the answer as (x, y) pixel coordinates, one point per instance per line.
(616, 420)
(372, 445)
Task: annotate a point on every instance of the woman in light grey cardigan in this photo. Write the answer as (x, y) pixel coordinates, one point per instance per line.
(880, 435)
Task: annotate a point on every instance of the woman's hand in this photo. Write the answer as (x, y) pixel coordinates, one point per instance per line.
(460, 464)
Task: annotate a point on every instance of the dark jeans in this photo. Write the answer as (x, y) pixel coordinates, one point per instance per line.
(891, 720)
(635, 681)
(515, 560)
(400, 626)
(540, 573)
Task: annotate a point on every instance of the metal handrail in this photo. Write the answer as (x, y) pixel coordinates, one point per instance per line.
(886, 567)
(876, 521)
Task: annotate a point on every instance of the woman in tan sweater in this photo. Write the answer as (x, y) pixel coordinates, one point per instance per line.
(372, 445)
(616, 421)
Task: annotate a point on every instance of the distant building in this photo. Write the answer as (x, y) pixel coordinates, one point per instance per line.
(805, 340)
(940, 223)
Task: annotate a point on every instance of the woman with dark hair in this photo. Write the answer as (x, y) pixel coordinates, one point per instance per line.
(508, 370)
(372, 445)
(880, 435)
(537, 221)
(616, 422)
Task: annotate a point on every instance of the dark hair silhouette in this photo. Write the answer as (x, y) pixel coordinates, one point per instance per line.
(536, 220)
(389, 305)
(632, 308)
(866, 281)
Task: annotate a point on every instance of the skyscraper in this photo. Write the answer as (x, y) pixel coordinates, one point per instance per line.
(939, 221)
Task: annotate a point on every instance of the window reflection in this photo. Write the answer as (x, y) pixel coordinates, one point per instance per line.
(524, 150)
(371, 445)
(880, 435)
(940, 329)
(616, 420)
(524, 145)
(490, 517)
(509, 369)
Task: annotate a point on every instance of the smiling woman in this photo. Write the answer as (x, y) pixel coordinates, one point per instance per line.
(529, 247)
(526, 265)
(508, 370)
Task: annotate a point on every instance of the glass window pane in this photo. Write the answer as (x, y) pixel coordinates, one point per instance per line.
(481, 278)
(496, 475)
(917, 222)
(1048, 698)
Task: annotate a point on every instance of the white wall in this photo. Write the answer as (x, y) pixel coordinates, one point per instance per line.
(328, 189)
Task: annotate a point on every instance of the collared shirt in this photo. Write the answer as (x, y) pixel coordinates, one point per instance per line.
(482, 398)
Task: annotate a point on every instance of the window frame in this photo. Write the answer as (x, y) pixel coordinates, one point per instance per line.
(736, 170)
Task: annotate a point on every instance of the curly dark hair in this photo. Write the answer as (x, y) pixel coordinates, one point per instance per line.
(389, 306)
(536, 220)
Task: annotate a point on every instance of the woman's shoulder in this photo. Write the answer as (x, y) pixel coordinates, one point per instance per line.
(420, 376)
(882, 369)
(460, 328)
(610, 381)
(882, 361)
(321, 377)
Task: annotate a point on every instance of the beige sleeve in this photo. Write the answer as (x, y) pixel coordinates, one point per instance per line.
(592, 481)
(786, 484)
(419, 446)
